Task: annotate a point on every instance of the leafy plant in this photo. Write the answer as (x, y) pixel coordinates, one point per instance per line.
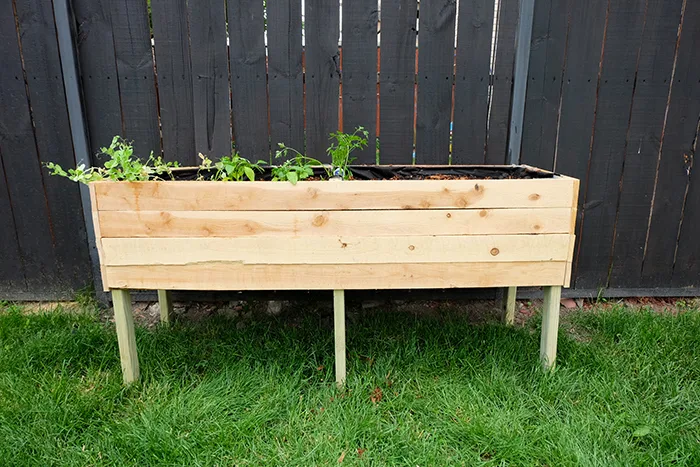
(121, 166)
(297, 168)
(342, 147)
(235, 167)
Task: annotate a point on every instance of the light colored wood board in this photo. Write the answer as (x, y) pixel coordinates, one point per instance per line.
(313, 223)
(126, 336)
(237, 276)
(336, 249)
(98, 233)
(550, 327)
(333, 195)
(509, 305)
(166, 306)
(339, 333)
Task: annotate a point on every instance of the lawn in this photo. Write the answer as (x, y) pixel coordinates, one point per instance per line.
(422, 390)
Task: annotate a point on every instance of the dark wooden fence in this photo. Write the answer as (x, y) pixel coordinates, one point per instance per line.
(613, 98)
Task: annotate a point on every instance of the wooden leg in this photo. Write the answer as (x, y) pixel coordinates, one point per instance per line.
(339, 327)
(124, 320)
(509, 305)
(166, 307)
(550, 327)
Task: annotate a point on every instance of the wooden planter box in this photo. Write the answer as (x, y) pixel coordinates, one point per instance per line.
(334, 235)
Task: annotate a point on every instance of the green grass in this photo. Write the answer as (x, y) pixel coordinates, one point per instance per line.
(627, 393)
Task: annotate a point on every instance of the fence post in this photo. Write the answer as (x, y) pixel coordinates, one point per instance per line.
(523, 37)
(71, 84)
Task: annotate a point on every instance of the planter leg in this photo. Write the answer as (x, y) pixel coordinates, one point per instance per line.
(509, 305)
(550, 326)
(166, 307)
(124, 320)
(339, 327)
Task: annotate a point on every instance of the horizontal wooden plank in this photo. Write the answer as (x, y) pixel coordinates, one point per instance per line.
(156, 224)
(336, 249)
(333, 195)
(237, 276)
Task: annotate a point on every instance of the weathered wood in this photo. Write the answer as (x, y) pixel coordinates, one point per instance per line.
(435, 69)
(509, 305)
(396, 81)
(473, 71)
(343, 195)
(322, 24)
(618, 72)
(549, 31)
(339, 333)
(246, 30)
(360, 72)
(210, 85)
(285, 74)
(656, 59)
(337, 249)
(550, 327)
(11, 266)
(137, 87)
(166, 307)
(156, 224)
(126, 336)
(172, 52)
(499, 118)
(237, 276)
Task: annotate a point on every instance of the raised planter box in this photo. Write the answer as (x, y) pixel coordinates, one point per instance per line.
(334, 235)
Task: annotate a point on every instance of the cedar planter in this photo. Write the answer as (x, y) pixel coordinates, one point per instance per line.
(334, 235)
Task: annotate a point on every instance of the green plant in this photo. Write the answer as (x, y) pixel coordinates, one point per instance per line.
(297, 168)
(121, 166)
(234, 168)
(342, 147)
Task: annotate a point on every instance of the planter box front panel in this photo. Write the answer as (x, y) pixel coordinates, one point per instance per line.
(335, 234)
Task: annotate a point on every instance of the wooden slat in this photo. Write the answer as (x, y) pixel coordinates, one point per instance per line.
(435, 68)
(360, 72)
(137, 87)
(98, 71)
(396, 81)
(172, 52)
(311, 223)
(499, 118)
(546, 67)
(472, 81)
(210, 86)
(97, 226)
(285, 76)
(11, 267)
(618, 72)
(322, 23)
(336, 250)
(333, 195)
(666, 248)
(236, 276)
(248, 78)
(646, 126)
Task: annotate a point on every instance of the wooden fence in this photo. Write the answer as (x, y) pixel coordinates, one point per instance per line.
(613, 98)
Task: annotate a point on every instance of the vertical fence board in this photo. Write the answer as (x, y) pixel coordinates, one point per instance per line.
(473, 71)
(643, 140)
(544, 83)
(619, 67)
(210, 84)
(396, 81)
(285, 76)
(11, 267)
(435, 68)
(98, 71)
(499, 120)
(52, 134)
(674, 167)
(21, 163)
(360, 72)
(248, 78)
(132, 47)
(172, 52)
(322, 74)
